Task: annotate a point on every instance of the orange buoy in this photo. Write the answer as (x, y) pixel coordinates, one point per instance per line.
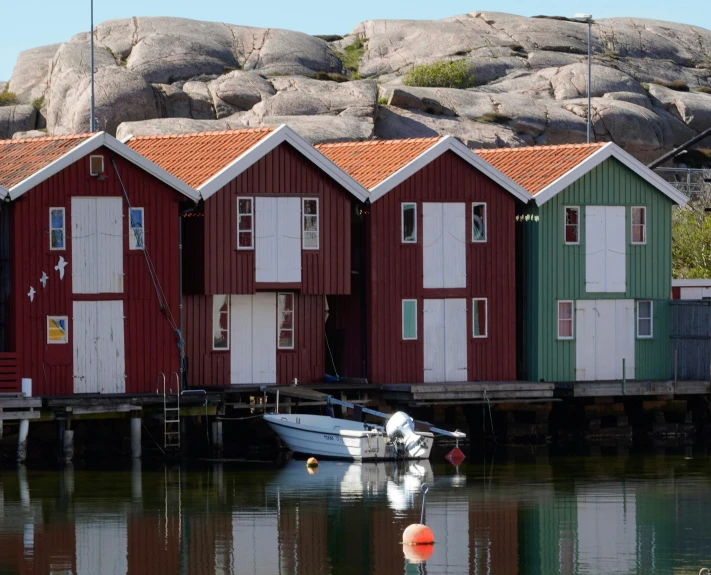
(417, 553)
(311, 462)
(418, 534)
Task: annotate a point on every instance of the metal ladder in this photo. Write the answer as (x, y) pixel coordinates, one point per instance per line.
(171, 415)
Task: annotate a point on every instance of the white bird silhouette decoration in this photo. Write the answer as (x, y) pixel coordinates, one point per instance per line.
(60, 267)
(43, 279)
(31, 293)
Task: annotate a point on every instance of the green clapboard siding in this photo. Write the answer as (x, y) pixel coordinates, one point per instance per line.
(552, 271)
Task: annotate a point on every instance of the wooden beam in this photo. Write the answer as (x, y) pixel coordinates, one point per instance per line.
(19, 415)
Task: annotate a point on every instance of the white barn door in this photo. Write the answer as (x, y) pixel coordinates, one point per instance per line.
(265, 238)
(445, 340)
(253, 339)
(99, 349)
(605, 249)
(97, 245)
(278, 240)
(433, 325)
(444, 245)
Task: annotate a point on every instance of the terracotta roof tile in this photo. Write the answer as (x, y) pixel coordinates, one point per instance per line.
(19, 159)
(195, 158)
(373, 161)
(536, 167)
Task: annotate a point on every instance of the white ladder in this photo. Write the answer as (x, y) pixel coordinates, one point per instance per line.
(171, 415)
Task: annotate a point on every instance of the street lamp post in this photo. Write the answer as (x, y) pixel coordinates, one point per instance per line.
(92, 123)
(588, 19)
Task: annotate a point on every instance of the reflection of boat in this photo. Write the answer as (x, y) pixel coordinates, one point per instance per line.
(323, 436)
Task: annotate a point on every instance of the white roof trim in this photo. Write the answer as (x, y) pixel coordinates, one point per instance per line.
(282, 134)
(3, 193)
(692, 283)
(610, 150)
(448, 143)
(94, 143)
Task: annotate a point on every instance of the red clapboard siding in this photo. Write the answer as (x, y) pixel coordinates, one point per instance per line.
(395, 273)
(150, 342)
(282, 171)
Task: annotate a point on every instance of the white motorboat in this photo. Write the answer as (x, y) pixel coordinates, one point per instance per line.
(324, 436)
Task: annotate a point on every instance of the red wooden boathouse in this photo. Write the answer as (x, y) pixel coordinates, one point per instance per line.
(271, 239)
(90, 265)
(440, 269)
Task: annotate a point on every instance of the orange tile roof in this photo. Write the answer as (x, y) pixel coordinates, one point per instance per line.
(373, 161)
(536, 167)
(195, 158)
(19, 159)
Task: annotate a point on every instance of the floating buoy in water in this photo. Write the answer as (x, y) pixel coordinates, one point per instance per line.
(455, 457)
(417, 553)
(311, 462)
(418, 534)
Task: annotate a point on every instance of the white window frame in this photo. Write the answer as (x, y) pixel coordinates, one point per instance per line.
(402, 223)
(402, 320)
(565, 225)
(486, 223)
(239, 217)
(63, 228)
(572, 319)
(293, 321)
(644, 226)
(66, 339)
(486, 317)
(103, 165)
(132, 238)
(304, 215)
(214, 311)
(651, 319)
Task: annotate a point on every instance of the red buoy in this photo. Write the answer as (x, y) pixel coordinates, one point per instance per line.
(417, 553)
(418, 534)
(455, 457)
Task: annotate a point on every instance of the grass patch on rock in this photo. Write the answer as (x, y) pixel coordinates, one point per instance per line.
(677, 85)
(383, 100)
(8, 98)
(351, 56)
(702, 89)
(494, 119)
(441, 74)
(38, 103)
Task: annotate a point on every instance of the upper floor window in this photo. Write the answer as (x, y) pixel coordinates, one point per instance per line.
(572, 225)
(639, 225)
(479, 222)
(245, 223)
(96, 165)
(57, 229)
(644, 319)
(286, 321)
(565, 320)
(220, 322)
(136, 233)
(309, 223)
(408, 223)
(479, 320)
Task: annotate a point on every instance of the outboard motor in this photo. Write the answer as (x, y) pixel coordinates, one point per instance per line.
(401, 431)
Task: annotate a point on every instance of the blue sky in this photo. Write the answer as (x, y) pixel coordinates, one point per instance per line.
(49, 21)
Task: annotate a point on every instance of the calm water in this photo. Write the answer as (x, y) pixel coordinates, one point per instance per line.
(608, 515)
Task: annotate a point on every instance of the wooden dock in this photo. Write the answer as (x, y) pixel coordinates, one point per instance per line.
(467, 393)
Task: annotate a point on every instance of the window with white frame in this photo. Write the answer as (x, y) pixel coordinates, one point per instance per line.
(479, 319)
(285, 317)
(57, 329)
(245, 223)
(572, 225)
(96, 165)
(220, 322)
(565, 320)
(639, 225)
(408, 223)
(478, 222)
(57, 237)
(309, 223)
(136, 235)
(644, 319)
(409, 319)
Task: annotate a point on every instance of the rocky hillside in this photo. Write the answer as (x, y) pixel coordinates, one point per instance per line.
(651, 81)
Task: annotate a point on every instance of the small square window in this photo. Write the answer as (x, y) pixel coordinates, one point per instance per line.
(565, 320)
(57, 329)
(96, 165)
(572, 226)
(479, 319)
(639, 225)
(220, 322)
(478, 222)
(409, 319)
(409, 223)
(57, 229)
(285, 316)
(644, 319)
(245, 223)
(309, 223)
(136, 236)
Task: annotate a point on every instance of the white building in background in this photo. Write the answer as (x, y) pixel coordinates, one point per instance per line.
(691, 289)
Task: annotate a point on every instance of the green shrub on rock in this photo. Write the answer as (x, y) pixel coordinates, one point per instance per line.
(8, 98)
(441, 74)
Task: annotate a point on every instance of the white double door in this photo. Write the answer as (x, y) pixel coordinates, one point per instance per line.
(253, 334)
(99, 353)
(444, 244)
(605, 336)
(278, 240)
(445, 340)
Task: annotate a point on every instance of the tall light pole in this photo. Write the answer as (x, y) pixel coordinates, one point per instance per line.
(92, 123)
(588, 18)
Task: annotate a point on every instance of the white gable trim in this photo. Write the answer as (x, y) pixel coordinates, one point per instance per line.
(448, 143)
(610, 150)
(282, 134)
(94, 143)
